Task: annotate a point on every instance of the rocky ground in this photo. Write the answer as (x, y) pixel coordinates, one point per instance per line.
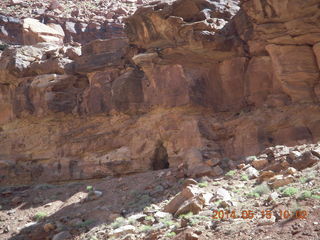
(262, 198)
(88, 10)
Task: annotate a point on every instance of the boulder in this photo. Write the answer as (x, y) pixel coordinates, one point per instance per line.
(279, 181)
(260, 163)
(265, 175)
(252, 173)
(306, 160)
(35, 32)
(193, 205)
(174, 204)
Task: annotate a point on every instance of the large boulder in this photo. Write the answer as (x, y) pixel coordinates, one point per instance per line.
(35, 32)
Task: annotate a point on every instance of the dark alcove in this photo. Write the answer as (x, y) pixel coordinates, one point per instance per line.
(160, 157)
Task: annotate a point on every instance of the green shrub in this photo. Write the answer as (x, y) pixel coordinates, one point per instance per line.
(170, 234)
(167, 222)
(145, 228)
(203, 184)
(253, 195)
(85, 224)
(149, 218)
(304, 195)
(195, 219)
(3, 46)
(316, 197)
(259, 190)
(119, 222)
(290, 191)
(231, 173)
(39, 216)
(244, 177)
(89, 188)
(186, 215)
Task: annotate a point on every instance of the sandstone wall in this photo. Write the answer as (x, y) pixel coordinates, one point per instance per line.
(206, 83)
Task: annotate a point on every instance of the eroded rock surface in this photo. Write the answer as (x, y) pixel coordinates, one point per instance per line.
(196, 85)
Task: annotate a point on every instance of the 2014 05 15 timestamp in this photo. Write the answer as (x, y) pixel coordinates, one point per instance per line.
(249, 214)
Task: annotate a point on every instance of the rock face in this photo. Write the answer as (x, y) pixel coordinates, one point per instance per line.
(192, 83)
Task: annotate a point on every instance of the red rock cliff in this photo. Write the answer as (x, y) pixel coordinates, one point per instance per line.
(204, 83)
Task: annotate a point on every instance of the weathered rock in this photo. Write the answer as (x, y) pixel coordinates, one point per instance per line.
(252, 173)
(200, 171)
(137, 217)
(35, 32)
(267, 221)
(49, 227)
(216, 171)
(195, 82)
(193, 205)
(296, 69)
(122, 231)
(162, 215)
(189, 181)
(316, 49)
(273, 196)
(306, 160)
(291, 171)
(186, 194)
(62, 236)
(223, 194)
(279, 181)
(259, 163)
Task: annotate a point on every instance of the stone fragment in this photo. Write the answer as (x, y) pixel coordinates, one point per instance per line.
(48, 227)
(293, 155)
(223, 194)
(189, 181)
(241, 166)
(216, 171)
(160, 214)
(291, 171)
(266, 221)
(127, 229)
(73, 53)
(207, 198)
(306, 160)
(200, 170)
(137, 217)
(259, 163)
(179, 199)
(94, 195)
(273, 196)
(279, 181)
(62, 236)
(214, 161)
(252, 173)
(193, 205)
